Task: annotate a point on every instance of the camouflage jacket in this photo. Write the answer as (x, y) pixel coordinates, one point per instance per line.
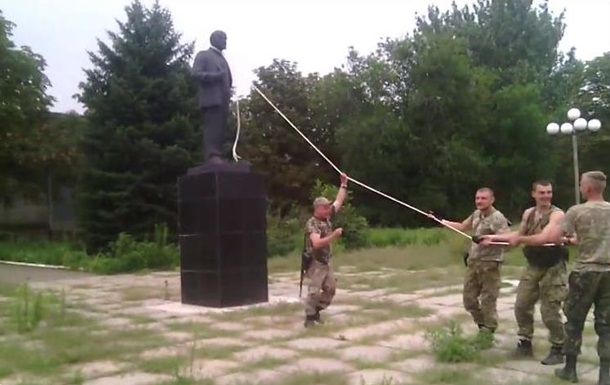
(494, 223)
(324, 228)
(590, 222)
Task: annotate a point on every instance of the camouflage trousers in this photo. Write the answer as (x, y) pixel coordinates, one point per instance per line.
(549, 286)
(586, 289)
(482, 281)
(321, 289)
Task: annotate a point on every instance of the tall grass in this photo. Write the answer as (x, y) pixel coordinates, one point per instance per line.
(412, 249)
(42, 251)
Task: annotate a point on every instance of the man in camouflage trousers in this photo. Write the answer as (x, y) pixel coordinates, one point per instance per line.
(589, 281)
(319, 235)
(483, 271)
(544, 278)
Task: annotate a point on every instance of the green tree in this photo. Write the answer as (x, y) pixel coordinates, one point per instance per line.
(142, 132)
(23, 110)
(288, 162)
(594, 103)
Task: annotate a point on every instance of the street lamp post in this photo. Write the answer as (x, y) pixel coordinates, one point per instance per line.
(579, 126)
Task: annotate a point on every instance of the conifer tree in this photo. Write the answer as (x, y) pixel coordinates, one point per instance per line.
(142, 133)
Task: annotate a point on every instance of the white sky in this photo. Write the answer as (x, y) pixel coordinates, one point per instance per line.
(315, 33)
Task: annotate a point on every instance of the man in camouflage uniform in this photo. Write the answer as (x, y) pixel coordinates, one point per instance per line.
(483, 271)
(319, 235)
(589, 281)
(544, 278)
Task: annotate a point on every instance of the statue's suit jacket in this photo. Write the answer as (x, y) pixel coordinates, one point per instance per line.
(212, 71)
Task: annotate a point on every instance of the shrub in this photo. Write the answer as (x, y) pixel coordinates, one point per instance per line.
(128, 255)
(284, 235)
(449, 345)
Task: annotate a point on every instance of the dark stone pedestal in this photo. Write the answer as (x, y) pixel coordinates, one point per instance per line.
(223, 239)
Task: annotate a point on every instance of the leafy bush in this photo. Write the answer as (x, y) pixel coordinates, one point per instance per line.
(354, 225)
(129, 255)
(449, 345)
(284, 235)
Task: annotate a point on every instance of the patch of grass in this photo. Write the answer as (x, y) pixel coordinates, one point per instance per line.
(59, 347)
(77, 378)
(137, 338)
(29, 309)
(364, 364)
(42, 251)
(163, 365)
(26, 310)
(492, 358)
(449, 345)
(265, 362)
(83, 286)
(142, 319)
(216, 352)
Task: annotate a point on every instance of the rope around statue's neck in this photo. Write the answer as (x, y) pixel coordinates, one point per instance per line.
(364, 185)
(235, 156)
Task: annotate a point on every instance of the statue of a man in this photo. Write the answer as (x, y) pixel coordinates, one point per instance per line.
(213, 75)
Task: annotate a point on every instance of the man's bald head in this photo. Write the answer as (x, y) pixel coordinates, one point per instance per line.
(218, 40)
(484, 198)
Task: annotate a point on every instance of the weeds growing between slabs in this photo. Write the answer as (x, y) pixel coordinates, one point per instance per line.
(43, 335)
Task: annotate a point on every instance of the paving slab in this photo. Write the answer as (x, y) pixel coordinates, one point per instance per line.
(259, 377)
(261, 352)
(314, 343)
(166, 351)
(375, 329)
(534, 367)
(180, 308)
(205, 368)
(367, 353)
(443, 300)
(402, 297)
(417, 364)
(174, 336)
(231, 326)
(320, 365)
(98, 368)
(269, 334)
(415, 341)
(498, 376)
(221, 342)
(378, 376)
(136, 378)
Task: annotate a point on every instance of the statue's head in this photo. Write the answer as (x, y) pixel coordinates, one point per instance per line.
(218, 39)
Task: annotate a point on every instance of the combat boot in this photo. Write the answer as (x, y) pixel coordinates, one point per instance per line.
(555, 356)
(604, 373)
(568, 372)
(316, 316)
(524, 348)
(310, 320)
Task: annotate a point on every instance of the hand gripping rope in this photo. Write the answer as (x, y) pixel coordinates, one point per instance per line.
(471, 238)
